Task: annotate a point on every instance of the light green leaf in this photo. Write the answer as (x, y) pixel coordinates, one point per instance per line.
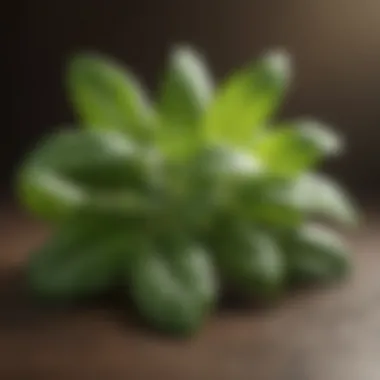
(297, 146)
(318, 195)
(185, 93)
(107, 96)
(247, 100)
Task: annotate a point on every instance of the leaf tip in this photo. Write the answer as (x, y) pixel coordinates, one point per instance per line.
(280, 62)
(184, 50)
(330, 140)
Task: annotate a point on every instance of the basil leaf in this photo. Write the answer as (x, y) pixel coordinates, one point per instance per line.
(247, 100)
(87, 171)
(266, 202)
(316, 254)
(296, 147)
(186, 91)
(249, 260)
(78, 260)
(176, 291)
(318, 195)
(107, 96)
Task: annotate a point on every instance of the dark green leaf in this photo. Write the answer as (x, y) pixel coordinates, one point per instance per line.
(174, 291)
(265, 201)
(316, 253)
(79, 260)
(250, 261)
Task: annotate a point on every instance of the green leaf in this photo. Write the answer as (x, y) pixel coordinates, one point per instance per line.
(264, 201)
(80, 259)
(286, 203)
(101, 172)
(54, 198)
(274, 213)
(75, 152)
(296, 147)
(249, 260)
(318, 195)
(107, 96)
(48, 195)
(174, 290)
(185, 93)
(247, 100)
(316, 254)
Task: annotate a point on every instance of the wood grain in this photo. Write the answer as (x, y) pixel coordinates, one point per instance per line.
(324, 334)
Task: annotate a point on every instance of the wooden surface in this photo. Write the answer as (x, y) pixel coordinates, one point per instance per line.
(325, 334)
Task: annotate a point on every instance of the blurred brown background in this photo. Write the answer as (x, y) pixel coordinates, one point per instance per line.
(335, 44)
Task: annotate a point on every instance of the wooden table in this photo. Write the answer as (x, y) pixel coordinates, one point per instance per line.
(325, 334)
